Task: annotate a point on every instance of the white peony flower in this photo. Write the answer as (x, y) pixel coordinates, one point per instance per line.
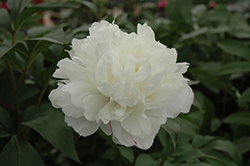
(126, 84)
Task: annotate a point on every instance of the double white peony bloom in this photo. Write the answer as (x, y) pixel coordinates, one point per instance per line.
(126, 84)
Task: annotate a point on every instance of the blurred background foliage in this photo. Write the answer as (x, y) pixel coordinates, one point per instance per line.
(213, 36)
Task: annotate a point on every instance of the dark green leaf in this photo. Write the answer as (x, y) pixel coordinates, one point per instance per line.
(18, 152)
(5, 20)
(22, 17)
(16, 7)
(195, 164)
(91, 6)
(173, 129)
(193, 154)
(207, 79)
(218, 14)
(227, 147)
(49, 123)
(127, 153)
(4, 134)
(243, 144)
(188, 118)
(234, 67)
(5, 118)
(235, 47)
(199, 141)
(241, 118)
(179, 10)
(167, 163)
(28, 91)
(222, 158)
(245, 97)
(56, 35)
(146, 160)
(194, 34)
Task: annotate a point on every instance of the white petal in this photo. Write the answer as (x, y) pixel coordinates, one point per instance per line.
(105, 112)
(82, 126)
(79, 90)
(93, 104)
(106, 128)
(182, 103)
(137, 123)
(61, 99)
(145, 32)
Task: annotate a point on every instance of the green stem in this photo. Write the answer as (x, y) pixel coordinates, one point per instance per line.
(42, 92)
(14, 89)
(101, 9)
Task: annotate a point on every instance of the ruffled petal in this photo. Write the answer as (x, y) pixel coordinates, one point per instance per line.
(82, 126)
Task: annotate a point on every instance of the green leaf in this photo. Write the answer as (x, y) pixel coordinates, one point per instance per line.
(222, 158)
(4, 134)
(235, 47)
(24, 16)
(218, 14)
(56, 35)
(240, 118)
(49, 123)
(5, 21)
(195, 164)
(234, 67)
(18, 152)
(188, 118)
(173, 129)
(243, 144)
(16, 7)
(27, 91)
(146, 160)
(226, 146)
(194, 34)
(19, 47)
(91, 6)
(207, 79)
(127, 153)
(194, 154)
(199, 141)
(245, 97)
(179, 11)
(5, 118)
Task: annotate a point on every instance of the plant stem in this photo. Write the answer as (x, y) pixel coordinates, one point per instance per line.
(101, 9)
(42, 92)
(14, 89)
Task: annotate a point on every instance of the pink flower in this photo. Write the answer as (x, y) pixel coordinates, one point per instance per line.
(162, 4)
(4, 6)
(212, 4)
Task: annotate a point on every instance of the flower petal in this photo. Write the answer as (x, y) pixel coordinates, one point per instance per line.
(93, 104)
(82, 126)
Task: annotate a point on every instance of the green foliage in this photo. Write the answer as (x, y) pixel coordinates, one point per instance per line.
(215, 41)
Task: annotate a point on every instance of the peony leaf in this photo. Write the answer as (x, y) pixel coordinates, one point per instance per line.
(5, 21)
(195, 164)
(245, 97)
(5, 118)
(18, 152)
(146, 160)
(194, 154)
(243, 144)
(188, 118)
(16, 7)
(49, 123)
(23, 16)
(234, 67)
(91, 6)
(241, 118)
(179, 11)
(225, 146)
(235, 47)
(127, 153)
(173, 129)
